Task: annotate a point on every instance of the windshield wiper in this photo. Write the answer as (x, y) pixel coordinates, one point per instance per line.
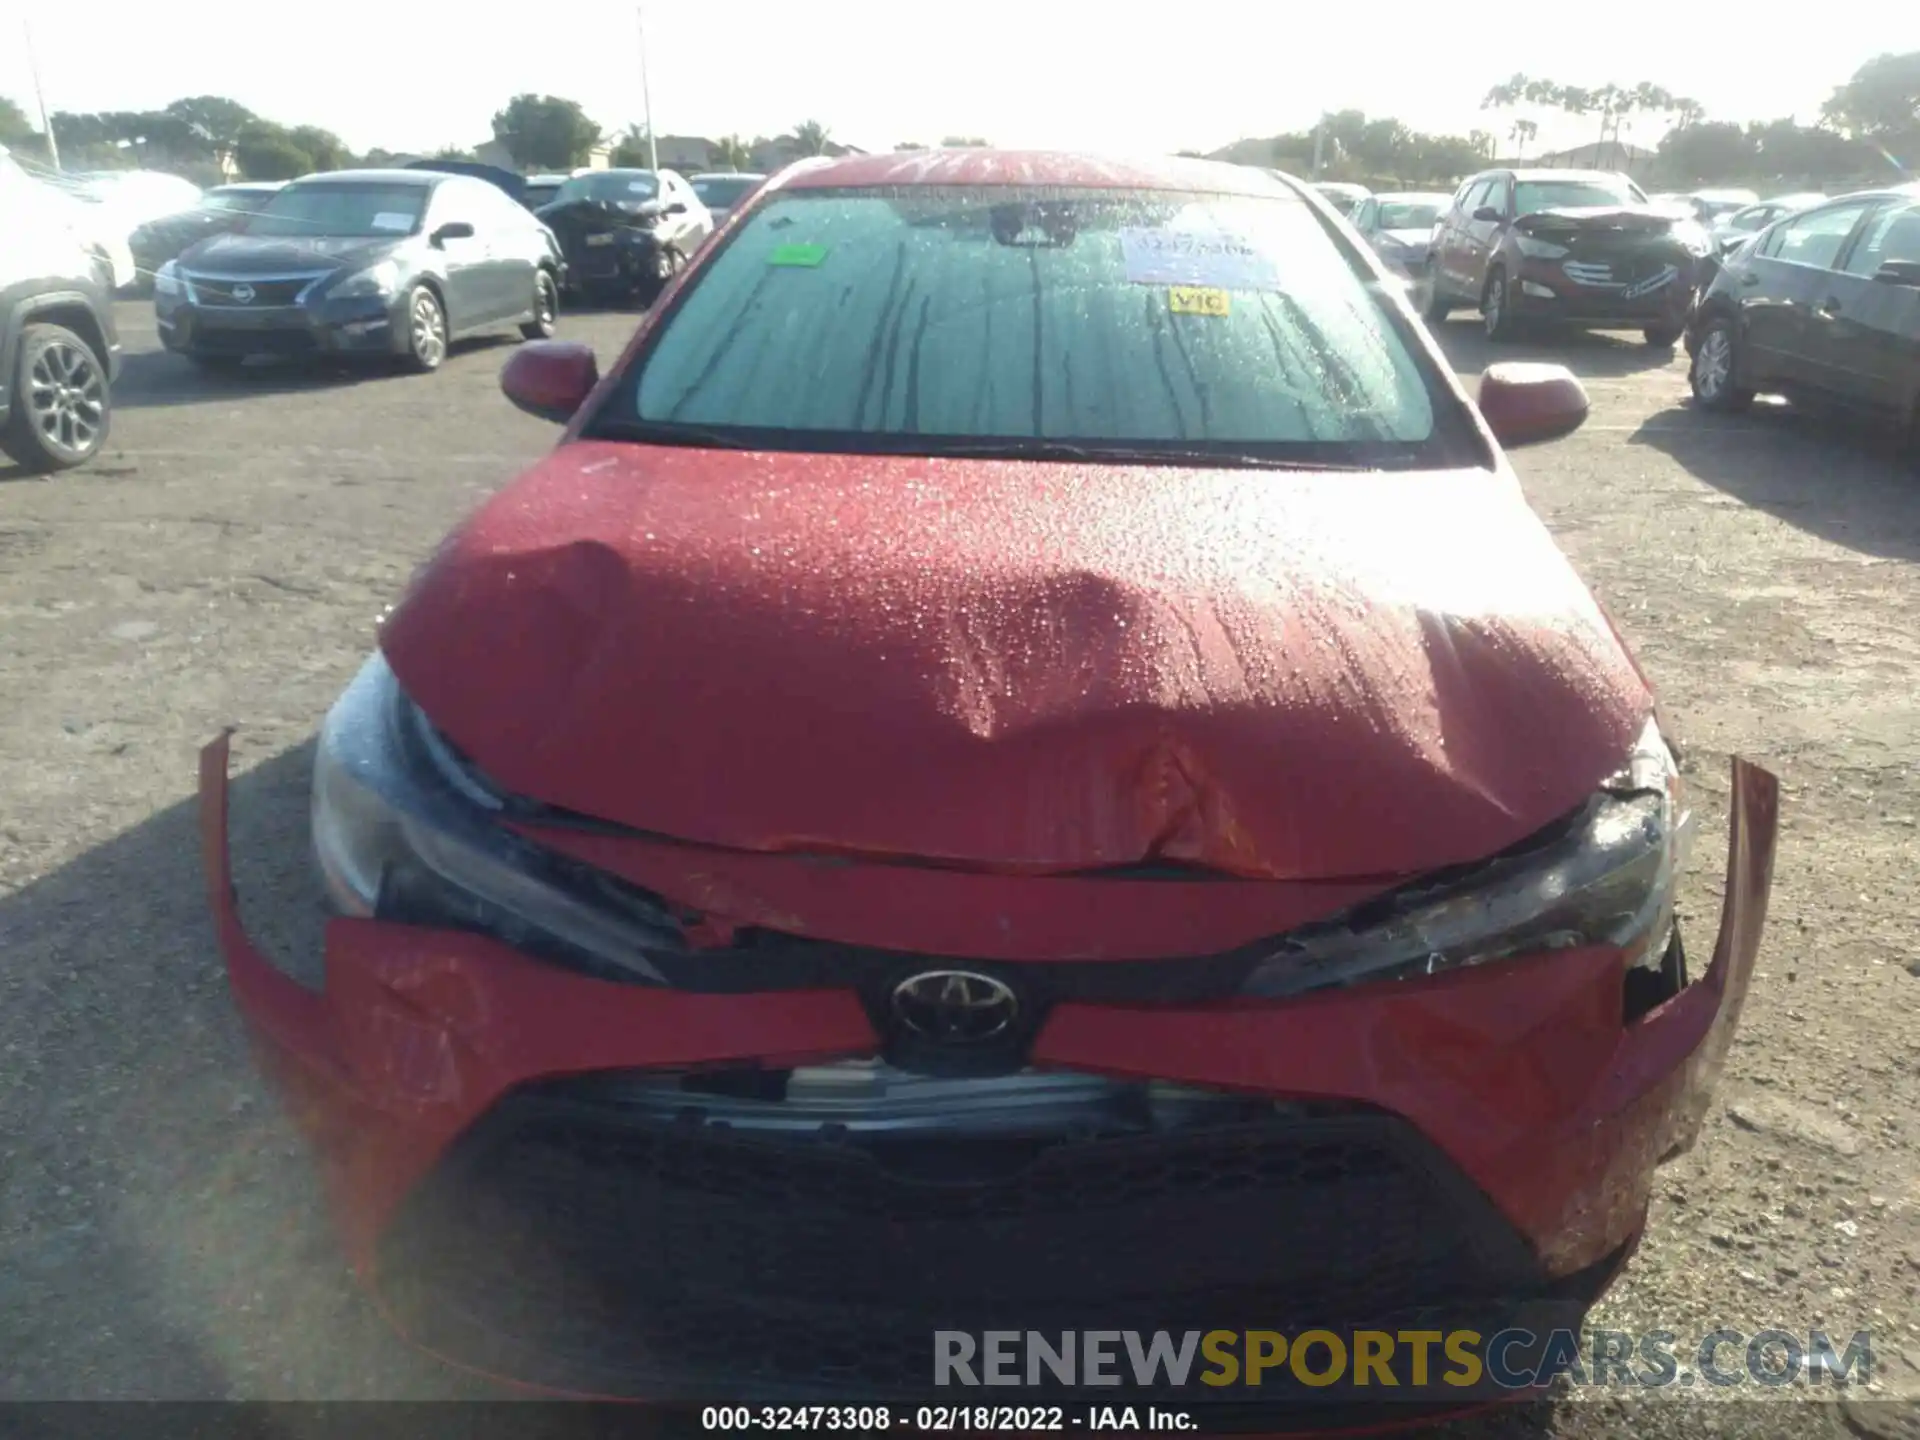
(1129, 455)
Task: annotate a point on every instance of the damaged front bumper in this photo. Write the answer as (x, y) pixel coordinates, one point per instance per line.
(507, 1181)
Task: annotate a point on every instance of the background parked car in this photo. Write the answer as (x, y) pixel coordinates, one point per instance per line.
(97, 231)
(722, 192)
(362, 262)
(540, 190)
(1341, 196)
(1709, 205)
(1824, 304)
(221, 210)
(1735, 226)
(1579, 247)
(1400, 226)
(59, 350)
(626, 233)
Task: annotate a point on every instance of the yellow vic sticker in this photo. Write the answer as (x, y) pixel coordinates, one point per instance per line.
(1197, 300)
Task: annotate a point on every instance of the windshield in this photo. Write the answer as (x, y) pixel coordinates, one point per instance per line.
(342, 211)
(942, 320)
(1409, 215)
(1535, 195)
(537, 195)
(722, 193)
(235, 199)
(615, 187)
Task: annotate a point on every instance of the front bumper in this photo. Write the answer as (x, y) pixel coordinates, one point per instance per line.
(1544, 289)
(630, 260)
(364, 325)
(1478, 1146)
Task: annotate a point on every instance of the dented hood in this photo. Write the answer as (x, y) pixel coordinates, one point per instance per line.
(1024, 667)
(1640, 220)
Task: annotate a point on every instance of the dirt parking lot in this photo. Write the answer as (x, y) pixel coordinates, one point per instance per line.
(227, 561)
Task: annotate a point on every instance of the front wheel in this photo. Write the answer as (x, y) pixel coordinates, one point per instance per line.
(61, 402)
(546, 307)
(1714, 374)
(426, 331)
(1496, 306)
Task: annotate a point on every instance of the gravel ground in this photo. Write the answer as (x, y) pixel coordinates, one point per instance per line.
(226, 562)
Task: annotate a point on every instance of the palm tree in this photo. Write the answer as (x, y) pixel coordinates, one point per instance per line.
(1522, 133)
(810, 137)
(730, 152)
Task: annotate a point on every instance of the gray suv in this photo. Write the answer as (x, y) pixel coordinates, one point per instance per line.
(59, 350)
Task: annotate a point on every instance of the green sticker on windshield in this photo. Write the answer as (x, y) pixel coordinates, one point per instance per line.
(804, 256)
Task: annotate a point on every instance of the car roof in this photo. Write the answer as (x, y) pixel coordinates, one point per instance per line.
(727, 175)
(1032, 167)
(1439, 196)
(1556, 174)
(423, 178)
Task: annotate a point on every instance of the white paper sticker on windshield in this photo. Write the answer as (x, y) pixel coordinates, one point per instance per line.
(640, 187)
(1208, 258)
(392, 220)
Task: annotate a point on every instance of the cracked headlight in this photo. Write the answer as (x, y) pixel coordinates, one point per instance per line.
(1605, 876)
(1537, 249)
(382, 279)
(404, 831)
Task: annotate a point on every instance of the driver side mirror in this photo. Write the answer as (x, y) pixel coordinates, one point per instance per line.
(1524, 402)
(452, 230)
(550, 379)
(1487, 215)
(1899, 272)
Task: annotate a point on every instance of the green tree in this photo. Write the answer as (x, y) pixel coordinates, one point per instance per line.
(631, 150)
(544, 132)
(265, 151)
(217, 121)
(445, 152)
(1715, 153)
(810, 137)
(964, 142)
(730, 152)
(1881, 103)
(326, 150)
(908, 145)
(15, 128)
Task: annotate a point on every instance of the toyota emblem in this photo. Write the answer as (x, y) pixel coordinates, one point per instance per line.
(955, 1007)
(243, 293)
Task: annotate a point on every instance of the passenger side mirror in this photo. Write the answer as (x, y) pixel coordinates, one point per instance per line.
(1899, 272)
(452, 230)
(1487, 215)
(550, 379)
(1524, 402)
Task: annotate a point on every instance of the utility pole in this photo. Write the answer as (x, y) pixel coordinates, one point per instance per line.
(40, 95)
(646, 91)
(1319, 142)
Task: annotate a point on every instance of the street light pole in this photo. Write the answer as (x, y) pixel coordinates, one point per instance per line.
(646, 90)
(1319, 139)
(40, 95)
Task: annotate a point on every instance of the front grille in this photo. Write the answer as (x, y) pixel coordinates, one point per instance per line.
(212, 340)
(265, 293)
(568, 1244)
(1590, 273)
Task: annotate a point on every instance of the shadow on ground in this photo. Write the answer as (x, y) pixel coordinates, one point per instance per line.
(155, 378)
(161, 1233)
(1590, 354)
(1824, 474)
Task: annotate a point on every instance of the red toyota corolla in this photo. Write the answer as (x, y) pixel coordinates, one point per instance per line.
(1024, 765)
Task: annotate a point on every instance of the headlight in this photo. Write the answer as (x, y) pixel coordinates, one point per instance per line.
(1694, 238)
(1538, 249)
(381, 279)
(1606, 877)
(166, 280)
(402, 830)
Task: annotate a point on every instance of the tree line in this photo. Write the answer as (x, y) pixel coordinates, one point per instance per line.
(1869, 122)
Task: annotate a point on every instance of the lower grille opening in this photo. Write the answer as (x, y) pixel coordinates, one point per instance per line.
(590, 1244)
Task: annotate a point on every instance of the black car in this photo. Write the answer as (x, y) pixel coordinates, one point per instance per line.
(363, 262)
(59, 350)
(220, 211)
(1572, 247)
(626, 233)
(1824, 304)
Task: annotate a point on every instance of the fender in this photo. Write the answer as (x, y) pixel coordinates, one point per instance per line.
(22, 300)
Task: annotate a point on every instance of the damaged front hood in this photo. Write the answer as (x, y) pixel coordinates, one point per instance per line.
(1642, 220)
(1021, 666)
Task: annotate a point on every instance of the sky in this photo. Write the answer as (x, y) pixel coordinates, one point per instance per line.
(414, 75)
